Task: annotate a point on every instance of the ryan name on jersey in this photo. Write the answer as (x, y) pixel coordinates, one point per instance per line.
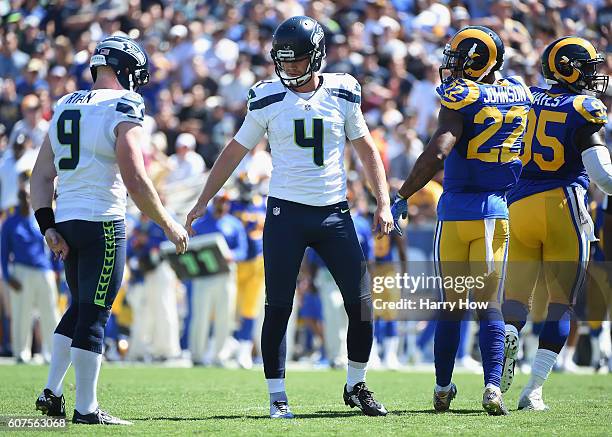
(78, 97)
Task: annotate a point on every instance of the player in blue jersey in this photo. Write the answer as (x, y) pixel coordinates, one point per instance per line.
(478, 141)
(551, 228)
(250, 208)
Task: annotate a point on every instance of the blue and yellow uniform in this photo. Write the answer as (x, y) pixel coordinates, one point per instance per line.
(250, 272)
(472, 231)
(548, 214)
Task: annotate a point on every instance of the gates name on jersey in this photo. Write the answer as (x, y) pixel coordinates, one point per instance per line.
(307, 136)
(82, 135)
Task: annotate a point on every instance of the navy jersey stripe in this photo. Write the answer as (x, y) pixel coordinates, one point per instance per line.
(345, 94)
(266, 101)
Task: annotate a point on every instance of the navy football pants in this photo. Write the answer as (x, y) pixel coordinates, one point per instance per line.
(94, 270)
(289, 228)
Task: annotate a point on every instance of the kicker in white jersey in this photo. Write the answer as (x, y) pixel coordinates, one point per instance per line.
(307, 136)
(82, 135)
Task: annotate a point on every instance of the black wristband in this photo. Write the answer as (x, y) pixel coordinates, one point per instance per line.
(45, 219)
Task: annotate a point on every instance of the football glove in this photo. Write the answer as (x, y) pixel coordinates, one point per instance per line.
(399, 209)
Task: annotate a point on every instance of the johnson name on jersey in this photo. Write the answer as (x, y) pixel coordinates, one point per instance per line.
(550, 156)
(306, 135)
(82, 135)
(484, 163)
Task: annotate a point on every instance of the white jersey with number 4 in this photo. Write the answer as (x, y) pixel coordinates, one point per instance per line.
(82, 135)
(307, 137)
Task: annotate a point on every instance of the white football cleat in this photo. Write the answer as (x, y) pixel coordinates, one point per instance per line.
(532, 400)
(493, 403)
(280, 410)
(511, 348)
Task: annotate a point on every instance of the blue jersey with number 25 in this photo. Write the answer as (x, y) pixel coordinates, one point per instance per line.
(550, 156)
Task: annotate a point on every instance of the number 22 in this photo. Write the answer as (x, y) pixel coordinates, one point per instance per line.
(503, 153)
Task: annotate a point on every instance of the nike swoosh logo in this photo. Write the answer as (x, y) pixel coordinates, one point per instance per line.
(344, 210)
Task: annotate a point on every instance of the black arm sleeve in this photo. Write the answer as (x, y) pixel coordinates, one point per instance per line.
(588, 136)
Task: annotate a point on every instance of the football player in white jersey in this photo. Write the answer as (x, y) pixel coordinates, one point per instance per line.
(93, 148)
(308, 117)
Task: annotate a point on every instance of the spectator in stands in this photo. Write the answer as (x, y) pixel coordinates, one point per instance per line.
(20, 159)
(185, 162)
(33, 125)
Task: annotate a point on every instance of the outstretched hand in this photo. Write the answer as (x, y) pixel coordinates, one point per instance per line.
(196, 212)
(57, 244)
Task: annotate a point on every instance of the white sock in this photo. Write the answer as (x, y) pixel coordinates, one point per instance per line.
(355, 374)
(60, 362)
(512, 328)
(276, 385)
(492, 387)
(542, 365)
(439, 388)
(86, 369)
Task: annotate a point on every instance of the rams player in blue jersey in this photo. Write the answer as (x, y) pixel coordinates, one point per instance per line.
(478, 141)
(550, 226)
(250, 208)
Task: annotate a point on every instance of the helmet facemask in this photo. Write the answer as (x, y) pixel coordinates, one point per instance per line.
(454, 61)
(314, 64)
(588, 78)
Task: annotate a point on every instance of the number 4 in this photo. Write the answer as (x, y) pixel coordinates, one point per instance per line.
(314, 141)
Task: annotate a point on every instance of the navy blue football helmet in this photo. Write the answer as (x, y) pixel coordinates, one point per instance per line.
(472, 53)
(295, 39)
(128, 60)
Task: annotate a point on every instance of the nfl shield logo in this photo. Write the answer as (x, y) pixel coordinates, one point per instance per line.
(276, 210)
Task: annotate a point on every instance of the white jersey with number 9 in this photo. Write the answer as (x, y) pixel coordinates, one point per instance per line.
(82, 135)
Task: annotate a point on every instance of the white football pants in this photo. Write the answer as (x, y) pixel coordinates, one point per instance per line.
(38, 291)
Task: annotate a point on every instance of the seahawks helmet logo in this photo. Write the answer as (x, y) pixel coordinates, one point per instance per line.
(317, 35)
(135, 51)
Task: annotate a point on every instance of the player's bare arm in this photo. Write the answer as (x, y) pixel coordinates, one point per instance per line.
(450, 128)
(140, 187)
(595, 155)
(375, 173)
(224, 166)
(42, 188)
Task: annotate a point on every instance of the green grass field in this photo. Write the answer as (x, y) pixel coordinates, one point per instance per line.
(215, 401)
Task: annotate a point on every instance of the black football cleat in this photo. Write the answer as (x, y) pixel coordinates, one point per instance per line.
(362, 398)
(51, 405)
(98, 417)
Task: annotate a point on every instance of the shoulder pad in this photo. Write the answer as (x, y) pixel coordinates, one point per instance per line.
(591, 109)
(343, 86)
(458, 94)
(131, 105)
(264, 93)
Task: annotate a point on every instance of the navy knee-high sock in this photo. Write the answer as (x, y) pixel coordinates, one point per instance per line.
(360, 334)
(446, 342)
(556, 328)
(273, 341)
(491, 339)
(515, 313)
